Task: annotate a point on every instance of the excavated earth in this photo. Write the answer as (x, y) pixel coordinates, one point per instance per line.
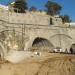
(45, 64)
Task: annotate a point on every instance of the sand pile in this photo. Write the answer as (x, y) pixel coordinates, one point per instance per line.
(52, 64)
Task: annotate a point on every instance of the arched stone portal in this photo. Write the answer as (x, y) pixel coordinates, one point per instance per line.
(72, 48)
(42, 44)
(62, 40)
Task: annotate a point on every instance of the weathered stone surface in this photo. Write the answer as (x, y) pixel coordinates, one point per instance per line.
(29, 26)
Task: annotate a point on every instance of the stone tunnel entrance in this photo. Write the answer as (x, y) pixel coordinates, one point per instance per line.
(72, 48)
(41, 44)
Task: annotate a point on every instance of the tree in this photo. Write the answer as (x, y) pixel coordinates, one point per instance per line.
(20, 6)
(65, 18)
(52, 8)
(33, 9)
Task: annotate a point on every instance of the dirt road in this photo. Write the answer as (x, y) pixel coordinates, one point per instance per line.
(49, 64)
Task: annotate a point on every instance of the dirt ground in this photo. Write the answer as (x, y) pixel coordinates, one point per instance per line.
(46, 64)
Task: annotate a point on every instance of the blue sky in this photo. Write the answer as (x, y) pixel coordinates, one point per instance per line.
(68, 6)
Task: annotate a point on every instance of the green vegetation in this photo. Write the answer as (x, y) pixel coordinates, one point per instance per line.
(20, 6)
(33, 8)
(52, 8)
(65, 18)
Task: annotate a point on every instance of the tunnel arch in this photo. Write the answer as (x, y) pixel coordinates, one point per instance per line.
(72, 48)
(42, 44)
(63, 41)
(61, 35)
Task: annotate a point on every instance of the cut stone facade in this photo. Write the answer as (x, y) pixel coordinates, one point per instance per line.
(27, 27)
